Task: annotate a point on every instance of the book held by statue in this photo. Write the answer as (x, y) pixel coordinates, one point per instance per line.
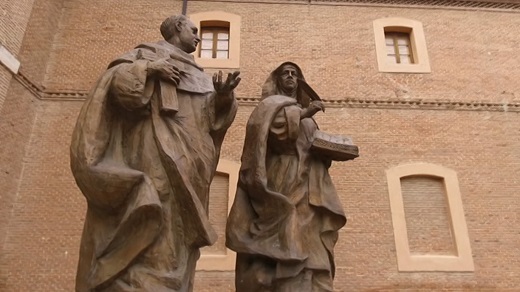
(334, 147)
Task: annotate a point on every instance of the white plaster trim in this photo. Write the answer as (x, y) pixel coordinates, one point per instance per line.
(463, 261)
(9, 60)
(227, 261)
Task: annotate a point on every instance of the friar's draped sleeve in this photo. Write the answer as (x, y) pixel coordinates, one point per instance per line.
(220, 120)
(118, 196)
(130, 87)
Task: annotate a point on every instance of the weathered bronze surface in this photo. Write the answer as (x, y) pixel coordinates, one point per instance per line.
(286, 215)
(144, 152)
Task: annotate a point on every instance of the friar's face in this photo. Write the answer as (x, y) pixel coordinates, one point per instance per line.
(188, 36)
(288, 78)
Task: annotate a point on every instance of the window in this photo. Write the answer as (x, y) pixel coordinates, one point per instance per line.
(214, 41)
(428, 218)
(220, 39)
(222, 193)
(400, 46)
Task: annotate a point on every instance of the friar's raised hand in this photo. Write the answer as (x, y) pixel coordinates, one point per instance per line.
(225, 88)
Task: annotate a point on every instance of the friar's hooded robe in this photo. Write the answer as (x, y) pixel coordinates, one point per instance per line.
(146, 174)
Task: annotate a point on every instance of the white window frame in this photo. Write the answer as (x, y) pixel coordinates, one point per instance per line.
(234, 20)
(406, 262)
(417, 41)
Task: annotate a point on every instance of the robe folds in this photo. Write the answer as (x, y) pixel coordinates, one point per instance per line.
(146, 173)
(286, 215)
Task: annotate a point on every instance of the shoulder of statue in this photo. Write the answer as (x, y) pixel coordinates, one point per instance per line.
(279, 99)
(154, 47)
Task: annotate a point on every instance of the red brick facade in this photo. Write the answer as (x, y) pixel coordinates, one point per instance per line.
(464, 115)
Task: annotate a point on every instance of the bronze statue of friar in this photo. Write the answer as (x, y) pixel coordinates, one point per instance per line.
(144, 152)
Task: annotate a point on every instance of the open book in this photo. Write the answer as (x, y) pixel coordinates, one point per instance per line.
(334, 147)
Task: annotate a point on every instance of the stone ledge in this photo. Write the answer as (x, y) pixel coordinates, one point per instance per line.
(411, 104)
(502, 5)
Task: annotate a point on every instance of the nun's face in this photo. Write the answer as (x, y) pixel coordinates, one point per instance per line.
(288, 78)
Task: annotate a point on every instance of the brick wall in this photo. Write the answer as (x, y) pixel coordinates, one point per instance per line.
(89, 38)
(13, 25)
(28, 41)
(47, 218)
(473, 55)
(5, 80)
(15, 15)
(39, 39)
(15, 114)
(427, 214)
(16, 124)
(46, 221)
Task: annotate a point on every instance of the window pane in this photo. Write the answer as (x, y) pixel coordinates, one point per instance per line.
(403, 40)
(222, 54)
(390, 49)
(206, 44)
(208, 54)
(404, 50)
(405, 59)
(392, 59)
(207, 35)
(222, 45)
(223, 36)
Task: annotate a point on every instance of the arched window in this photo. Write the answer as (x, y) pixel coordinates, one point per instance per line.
(222, 195)
(428, 218)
